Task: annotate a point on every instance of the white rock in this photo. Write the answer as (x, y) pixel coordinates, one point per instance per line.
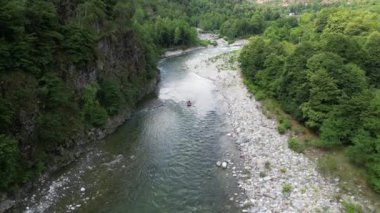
(82, 189)
(218, 163)
(224, 165)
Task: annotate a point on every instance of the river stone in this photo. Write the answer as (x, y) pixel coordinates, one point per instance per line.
(6, 204)
(298, 204)
(224, 165)
(82, 189)
(218, 163)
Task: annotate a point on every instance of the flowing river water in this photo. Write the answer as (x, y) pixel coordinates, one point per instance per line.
(161, 160)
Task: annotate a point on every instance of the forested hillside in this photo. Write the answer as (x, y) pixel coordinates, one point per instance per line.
(69, 69)
(324, 70)
(72, 70)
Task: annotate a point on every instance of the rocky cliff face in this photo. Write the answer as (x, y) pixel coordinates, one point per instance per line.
(84, 87)
(119, 59)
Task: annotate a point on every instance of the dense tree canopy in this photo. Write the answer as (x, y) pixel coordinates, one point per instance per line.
(324, 68)
(330, 79)
(46, 50)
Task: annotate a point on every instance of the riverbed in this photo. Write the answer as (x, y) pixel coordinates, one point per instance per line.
(162, 159)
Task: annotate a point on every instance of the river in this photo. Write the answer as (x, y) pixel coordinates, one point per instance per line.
(161, 160)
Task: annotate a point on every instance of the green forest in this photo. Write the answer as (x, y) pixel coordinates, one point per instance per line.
(324, 70)
(67, 66)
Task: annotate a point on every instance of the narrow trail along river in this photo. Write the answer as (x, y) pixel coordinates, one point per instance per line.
(161, 160)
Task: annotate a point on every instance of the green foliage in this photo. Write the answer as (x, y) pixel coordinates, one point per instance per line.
(344, 46)
(55, 128)
(283, 125)
(372, 47)
(111, 97)
(169, 33)
(8, 160)
(293, 88)
(327, 165)
(5, 115)
(252, 57)
(234, 28)
(47, 51)
(78, 44)
(374, 175)
(323, 96)
(296, 145)
(94, 114)
(326, 80)
(53, 92)
(352, 207)
(287, 188)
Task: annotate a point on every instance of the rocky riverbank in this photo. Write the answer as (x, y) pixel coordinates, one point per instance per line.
(69, 155)
(274, 178)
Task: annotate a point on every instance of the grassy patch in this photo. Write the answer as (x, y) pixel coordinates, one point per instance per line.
(352, 207)
(352, 179)
(283, 125)
(328, 165)
(296, 145)
(207, 42)
(287, 188)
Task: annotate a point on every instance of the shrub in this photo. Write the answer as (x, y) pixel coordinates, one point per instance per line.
(352, 207)
(51, 127)
(259, 95)
(374, 176)
(296, 145)
(327, 164)
(8, 160)
(57, 128)
(5, 115)
(287, 188)
(92, 112)
(53, 92)
(281, 128)
(283, 125)
(96, 116)
(78, 44)
(111, 97)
